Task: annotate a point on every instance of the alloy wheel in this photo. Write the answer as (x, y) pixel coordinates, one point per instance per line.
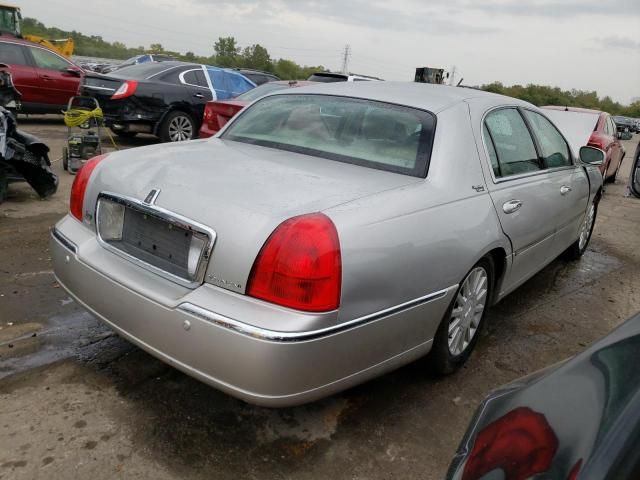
(587, 225)
(180, 129)
(467, 311)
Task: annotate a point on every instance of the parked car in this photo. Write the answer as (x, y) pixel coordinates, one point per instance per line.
(328, 234)
(258, 76)
(165, 99)
(576, 420)
(45, 79)
(217, 113)
(590, 127)
(331, 77)
(139, 59)
(624, 124)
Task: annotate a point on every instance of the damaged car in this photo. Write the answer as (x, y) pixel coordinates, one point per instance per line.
(634, 178)
(165, 99)
(328, 234)
(23, 157)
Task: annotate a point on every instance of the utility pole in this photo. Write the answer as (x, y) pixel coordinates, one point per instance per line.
(345, 59)
(453, 75)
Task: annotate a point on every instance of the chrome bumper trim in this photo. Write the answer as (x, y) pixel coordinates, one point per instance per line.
(68, 244)
(279, 336)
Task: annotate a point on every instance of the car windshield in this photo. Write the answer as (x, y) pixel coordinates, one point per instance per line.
(261, 91)
(362, 132)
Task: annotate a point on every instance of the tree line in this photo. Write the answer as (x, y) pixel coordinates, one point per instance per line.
(228, 53)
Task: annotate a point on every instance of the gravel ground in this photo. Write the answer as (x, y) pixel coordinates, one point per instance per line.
(80, 402)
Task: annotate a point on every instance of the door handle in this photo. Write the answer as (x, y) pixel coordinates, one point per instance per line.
(511, 206)
(564, 190)
(46, 77)
(198, 95)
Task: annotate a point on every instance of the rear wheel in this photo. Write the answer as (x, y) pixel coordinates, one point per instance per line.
(577, 249)
(65, 158)
(460, 328)
(177, 127)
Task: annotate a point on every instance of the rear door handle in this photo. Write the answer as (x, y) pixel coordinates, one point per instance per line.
(198, 95)
(511, 206)
(564, 190)
(46, 77)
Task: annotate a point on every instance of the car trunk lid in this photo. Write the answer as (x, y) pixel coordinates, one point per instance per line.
(242, 192)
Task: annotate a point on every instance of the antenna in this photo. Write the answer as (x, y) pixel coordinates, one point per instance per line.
(345, 59)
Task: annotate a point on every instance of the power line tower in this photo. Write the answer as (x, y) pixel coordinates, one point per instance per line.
(345, 59)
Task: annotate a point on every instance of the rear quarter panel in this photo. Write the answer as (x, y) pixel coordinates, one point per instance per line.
(406, 243)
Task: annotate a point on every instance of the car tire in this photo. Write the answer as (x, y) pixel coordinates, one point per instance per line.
(177, 126)
(449, 353)
(4, 184)
(577, 249)
(65, 159)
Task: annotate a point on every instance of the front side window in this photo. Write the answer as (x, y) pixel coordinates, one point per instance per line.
(48, 60)
(362, 132)
(553, 148)
(512, 141)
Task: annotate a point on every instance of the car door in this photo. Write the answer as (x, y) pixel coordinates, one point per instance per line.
(56, 82)
(570, 193)
(24, 75)
(521, 191)
(195, 83)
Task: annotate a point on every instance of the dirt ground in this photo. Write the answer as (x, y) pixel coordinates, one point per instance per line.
(76, 401)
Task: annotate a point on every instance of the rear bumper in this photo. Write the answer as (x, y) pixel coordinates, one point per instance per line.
(259, 366)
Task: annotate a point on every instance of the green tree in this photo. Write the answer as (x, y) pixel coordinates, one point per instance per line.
(156, 48)
(256, 56)
(227, 51)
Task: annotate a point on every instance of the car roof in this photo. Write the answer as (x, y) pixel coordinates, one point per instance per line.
(572, 109)
(297, 83)
(434, 98)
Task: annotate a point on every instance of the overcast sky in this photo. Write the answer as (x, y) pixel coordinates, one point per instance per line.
(583, 44)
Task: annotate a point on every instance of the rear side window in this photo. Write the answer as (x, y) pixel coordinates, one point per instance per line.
(362, 132)
(12, 54)
(327, 78)
(195, 78)
(553, 148)
(514, 147)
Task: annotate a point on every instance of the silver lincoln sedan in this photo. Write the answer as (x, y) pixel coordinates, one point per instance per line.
(326, 235)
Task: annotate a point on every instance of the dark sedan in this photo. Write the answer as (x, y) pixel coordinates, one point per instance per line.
(165, 99)
(576, 421)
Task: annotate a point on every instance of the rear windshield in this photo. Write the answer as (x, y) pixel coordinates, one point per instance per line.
(261, 91)
(327, 78)
(141, 71)
(362, 132)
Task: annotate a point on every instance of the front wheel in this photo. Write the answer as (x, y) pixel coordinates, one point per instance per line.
(460, 328)
(577, 249)
(177, 127)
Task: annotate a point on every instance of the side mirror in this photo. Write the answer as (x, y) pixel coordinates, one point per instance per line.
(592, 156)
(73, 71)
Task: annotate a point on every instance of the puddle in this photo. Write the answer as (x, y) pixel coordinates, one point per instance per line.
(62, 337)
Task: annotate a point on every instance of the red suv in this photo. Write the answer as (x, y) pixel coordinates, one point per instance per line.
(594, 128)
(45, 79)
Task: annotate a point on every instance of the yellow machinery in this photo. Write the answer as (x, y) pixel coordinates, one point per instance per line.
(11, 23)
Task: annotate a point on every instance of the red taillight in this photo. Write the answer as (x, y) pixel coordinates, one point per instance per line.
(300, 265)
(596, 141)
(208, 111)
(127, 89)
(80, 185)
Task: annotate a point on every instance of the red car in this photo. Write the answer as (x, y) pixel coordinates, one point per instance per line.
(45, 79)
(218, 112)
(594, 128)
